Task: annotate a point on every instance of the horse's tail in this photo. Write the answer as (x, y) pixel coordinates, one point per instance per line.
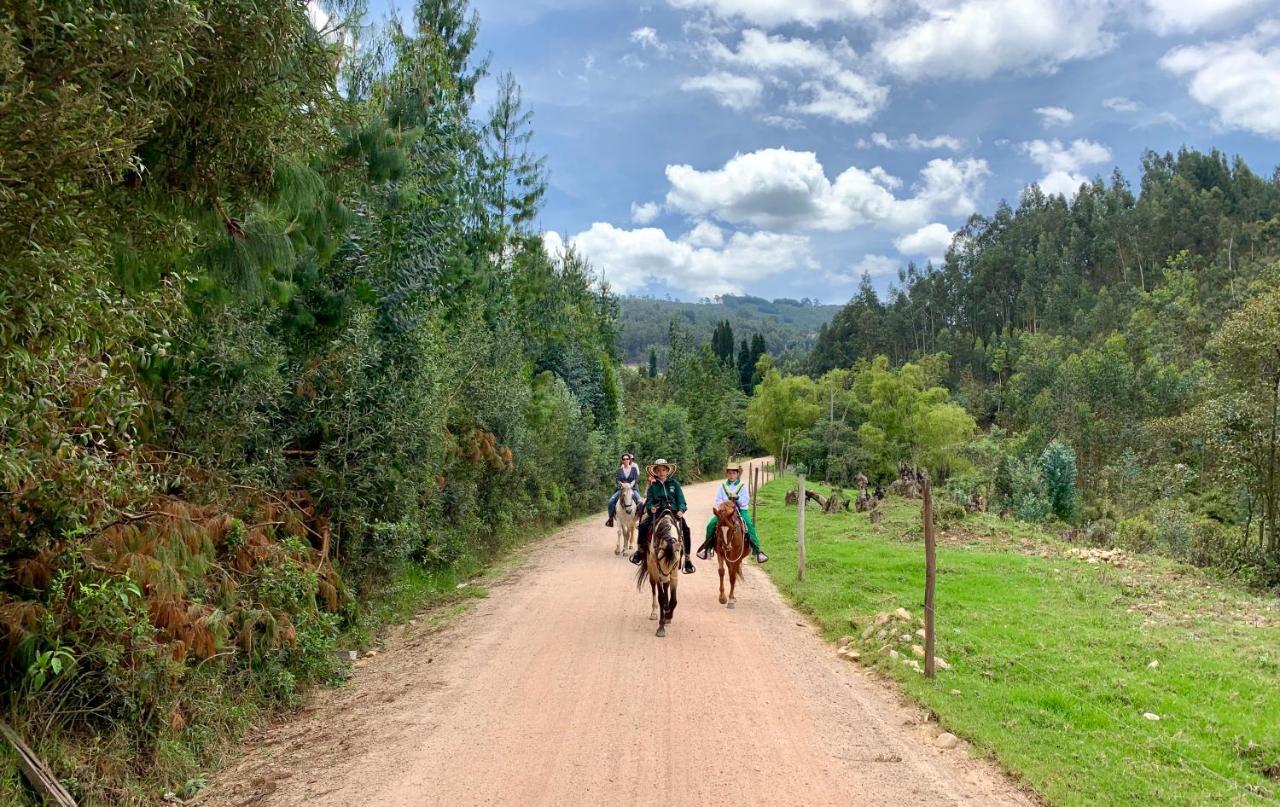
(643, 574)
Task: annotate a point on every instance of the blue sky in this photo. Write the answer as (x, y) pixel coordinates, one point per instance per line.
(784, 147)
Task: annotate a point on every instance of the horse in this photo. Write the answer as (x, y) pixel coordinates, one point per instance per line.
(731, 547)
(662, 567)
(626, 519)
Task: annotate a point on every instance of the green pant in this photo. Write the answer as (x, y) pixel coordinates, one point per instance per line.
(710, 543)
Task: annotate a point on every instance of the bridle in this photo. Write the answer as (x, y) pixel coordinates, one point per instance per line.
(742, 553)
(670, 516)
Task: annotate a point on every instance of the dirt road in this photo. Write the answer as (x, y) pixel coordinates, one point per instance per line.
(554, 691)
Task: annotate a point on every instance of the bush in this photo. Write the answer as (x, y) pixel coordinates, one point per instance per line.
(1137, 534)
(948, 514)
(1101, 532)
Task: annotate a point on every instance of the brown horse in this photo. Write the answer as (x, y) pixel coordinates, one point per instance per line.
(731, 547)
(662, 567)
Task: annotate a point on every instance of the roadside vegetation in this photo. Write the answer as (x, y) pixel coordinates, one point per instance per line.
(1138, 680)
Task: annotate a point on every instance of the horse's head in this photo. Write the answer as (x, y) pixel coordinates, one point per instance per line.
(666, 539)
(727, 512)
(626, 497)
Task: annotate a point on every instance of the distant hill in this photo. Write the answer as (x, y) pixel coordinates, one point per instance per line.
(788, 326)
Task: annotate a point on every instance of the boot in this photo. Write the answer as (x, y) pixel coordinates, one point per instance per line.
(609, 523)
(637, 557)
(704, 551)
(688, 566)
(761, 557)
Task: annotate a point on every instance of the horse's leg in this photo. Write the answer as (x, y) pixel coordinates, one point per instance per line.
(617, 547)
(671, 600)
(653, 589)
(720, 564)
(735, 569)
(662, 602)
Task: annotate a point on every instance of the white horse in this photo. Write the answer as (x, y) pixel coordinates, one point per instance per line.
(626, 517)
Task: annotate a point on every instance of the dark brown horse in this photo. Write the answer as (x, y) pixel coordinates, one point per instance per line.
(662, 567)
(731, 547)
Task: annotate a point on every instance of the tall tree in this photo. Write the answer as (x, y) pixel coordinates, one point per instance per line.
(515, 177)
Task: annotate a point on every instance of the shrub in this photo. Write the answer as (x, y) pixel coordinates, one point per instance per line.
(1137, 534)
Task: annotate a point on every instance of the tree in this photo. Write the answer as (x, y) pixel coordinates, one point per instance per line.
(1058, 469)
(653, 363)
(782, 408)
(746, 367)
(515, 177)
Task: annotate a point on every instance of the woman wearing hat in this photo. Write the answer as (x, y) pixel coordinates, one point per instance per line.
(733, 489)
(664, 493)
(627, 472)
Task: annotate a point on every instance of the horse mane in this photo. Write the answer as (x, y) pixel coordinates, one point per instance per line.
(662, 527)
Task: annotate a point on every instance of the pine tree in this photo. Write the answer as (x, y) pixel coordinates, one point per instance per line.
(746, 368)
(653, 363)
(516, 179)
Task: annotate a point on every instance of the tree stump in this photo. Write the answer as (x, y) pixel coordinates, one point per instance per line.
(792, 497)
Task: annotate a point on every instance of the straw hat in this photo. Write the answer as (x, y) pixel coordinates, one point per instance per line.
(733, 466)
(659, 462)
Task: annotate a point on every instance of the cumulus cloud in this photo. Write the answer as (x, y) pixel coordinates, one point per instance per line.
(912, 142)
(1239, 79)
(1183, 16)
(930, 240)
(781, 189)
(1121, 104)
(730, 90)
(1063, 165)
(979, 38)
(645, 213)
(628, 259)
(1051, 116)
(817, 80)
(773, 13)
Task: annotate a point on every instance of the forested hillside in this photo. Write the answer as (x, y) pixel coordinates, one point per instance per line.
(1112, 361)
(274, 329)
(788, 327)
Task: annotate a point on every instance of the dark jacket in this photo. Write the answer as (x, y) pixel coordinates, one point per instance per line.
(667, 494)
(632, 476)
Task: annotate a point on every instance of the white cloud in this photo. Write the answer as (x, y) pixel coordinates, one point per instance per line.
(647, 37)
(930, 240)
(979, 38)
(780, 189)
(1183, 16)
(1121, 104)
(1051, 116)
(1063, 165)
(704, 234)
(816, 80)
(875, 266)
(319, 18)
(1239, 79)
(912, 142)
(645, 213)
(771, 13)
(628, 259)
(732, 91)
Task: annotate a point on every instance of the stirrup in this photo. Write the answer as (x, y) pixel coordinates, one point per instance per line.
(703, 554)
(761, 557)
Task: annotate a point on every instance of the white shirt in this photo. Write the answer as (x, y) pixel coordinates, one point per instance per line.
(725, 491)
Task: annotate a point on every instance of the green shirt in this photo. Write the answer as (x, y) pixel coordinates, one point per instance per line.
(667, 494)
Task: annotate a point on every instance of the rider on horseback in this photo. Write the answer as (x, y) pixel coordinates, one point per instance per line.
(733, 489)
(664, 493)
(627, 472)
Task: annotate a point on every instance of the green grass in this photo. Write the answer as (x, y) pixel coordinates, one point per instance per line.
(1050, 655)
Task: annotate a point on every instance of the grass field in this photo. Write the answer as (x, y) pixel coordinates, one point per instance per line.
(1052, 657)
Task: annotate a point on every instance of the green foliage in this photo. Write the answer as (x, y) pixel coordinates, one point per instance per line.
(786, 326)
(781, 410)
(1058, 470)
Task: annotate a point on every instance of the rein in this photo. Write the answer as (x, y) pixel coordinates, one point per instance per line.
(742, 530)
(668, 571)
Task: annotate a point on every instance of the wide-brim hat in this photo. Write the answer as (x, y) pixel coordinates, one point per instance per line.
(660, 462)
(733, 466)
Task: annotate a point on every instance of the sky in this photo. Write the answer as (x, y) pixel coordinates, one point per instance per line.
(783, 148)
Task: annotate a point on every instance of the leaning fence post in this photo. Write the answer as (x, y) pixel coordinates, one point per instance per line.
(755, 490)
(930, 576)
(800, 502)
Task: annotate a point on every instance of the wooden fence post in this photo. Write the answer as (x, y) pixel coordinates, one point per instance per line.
(800, 504)
(755, 489)
(930, 577)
